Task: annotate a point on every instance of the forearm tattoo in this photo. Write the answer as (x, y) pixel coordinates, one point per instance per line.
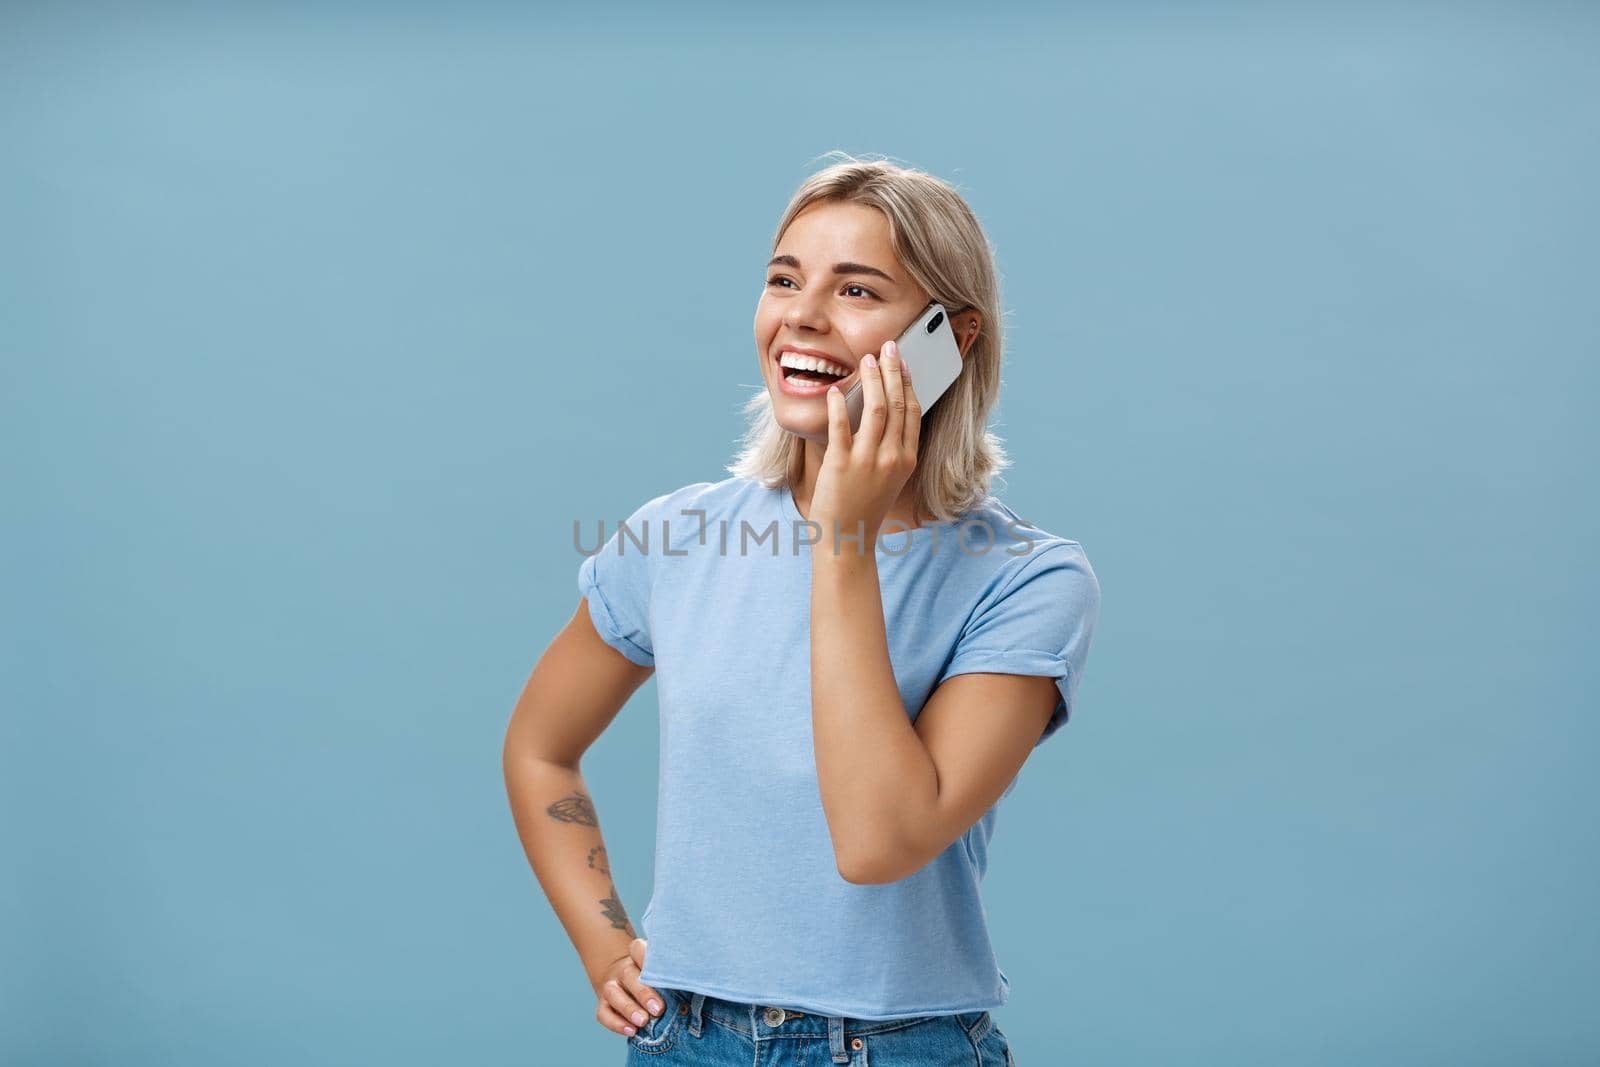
(576, 808)
(579, 809)
(612, 906)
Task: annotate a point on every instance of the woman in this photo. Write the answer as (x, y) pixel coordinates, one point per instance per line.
(856, 647)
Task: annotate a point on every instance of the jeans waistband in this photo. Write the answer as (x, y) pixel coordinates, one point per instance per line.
(766, 1021)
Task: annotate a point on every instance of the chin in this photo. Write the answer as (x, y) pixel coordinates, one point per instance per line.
(792, 416)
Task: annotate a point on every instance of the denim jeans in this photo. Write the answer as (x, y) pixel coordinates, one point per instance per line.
(694, 1028)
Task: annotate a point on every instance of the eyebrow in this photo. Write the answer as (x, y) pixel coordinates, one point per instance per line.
(838, 268)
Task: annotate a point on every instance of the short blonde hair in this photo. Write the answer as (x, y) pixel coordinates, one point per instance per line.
(938, 240)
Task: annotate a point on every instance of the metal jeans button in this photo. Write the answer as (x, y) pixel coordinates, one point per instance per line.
(774, 1016)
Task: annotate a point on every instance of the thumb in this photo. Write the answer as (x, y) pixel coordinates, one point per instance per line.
(637, 950)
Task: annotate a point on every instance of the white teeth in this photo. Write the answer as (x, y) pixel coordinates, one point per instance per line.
(812, 363)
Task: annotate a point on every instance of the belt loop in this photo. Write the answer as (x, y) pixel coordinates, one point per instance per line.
(695, 1003)
(836, 1039)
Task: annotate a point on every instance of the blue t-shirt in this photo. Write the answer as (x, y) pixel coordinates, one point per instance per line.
(711, 584)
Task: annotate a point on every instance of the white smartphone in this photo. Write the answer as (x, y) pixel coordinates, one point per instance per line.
(928, 347)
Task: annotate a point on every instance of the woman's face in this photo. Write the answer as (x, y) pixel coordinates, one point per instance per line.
(836, 290)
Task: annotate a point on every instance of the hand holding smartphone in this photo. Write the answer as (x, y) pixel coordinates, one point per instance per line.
(928, 347)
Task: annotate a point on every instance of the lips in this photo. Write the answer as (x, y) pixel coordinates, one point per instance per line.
(789, 387)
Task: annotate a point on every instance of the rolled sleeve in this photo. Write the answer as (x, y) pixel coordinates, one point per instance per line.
(1039, 622)
(615, 582)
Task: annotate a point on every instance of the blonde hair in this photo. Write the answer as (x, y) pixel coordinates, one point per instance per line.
(939, 242)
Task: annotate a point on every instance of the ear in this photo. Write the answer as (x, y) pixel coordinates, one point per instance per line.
(967, 326)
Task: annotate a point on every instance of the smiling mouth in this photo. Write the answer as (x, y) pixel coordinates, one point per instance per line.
(809, 378)
(806, 377)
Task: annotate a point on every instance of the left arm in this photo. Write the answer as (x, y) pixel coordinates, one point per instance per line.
(895, 794)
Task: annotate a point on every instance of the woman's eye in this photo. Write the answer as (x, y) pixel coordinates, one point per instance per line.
(774, 281)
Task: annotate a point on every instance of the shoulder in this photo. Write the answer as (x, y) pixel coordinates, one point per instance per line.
(679, 517)
(697, 499)
(1037, 591)
(1010, 547)
(668, 504)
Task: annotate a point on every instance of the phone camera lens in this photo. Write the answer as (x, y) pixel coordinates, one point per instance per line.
(933, 323)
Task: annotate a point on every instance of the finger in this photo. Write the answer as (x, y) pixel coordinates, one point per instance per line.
(644, 996)
(839, 435)
(894, 398)
(619, 998)
(913, 426)
(609, 1018)
(642, 993)
(874, 412)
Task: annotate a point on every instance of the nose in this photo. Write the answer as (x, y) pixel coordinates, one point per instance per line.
(806, 311)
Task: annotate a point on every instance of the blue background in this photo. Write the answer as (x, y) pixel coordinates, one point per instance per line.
(321, 324)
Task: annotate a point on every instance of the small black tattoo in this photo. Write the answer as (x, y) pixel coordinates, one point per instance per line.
(616, 913)
(576, 808)
(598, 853)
